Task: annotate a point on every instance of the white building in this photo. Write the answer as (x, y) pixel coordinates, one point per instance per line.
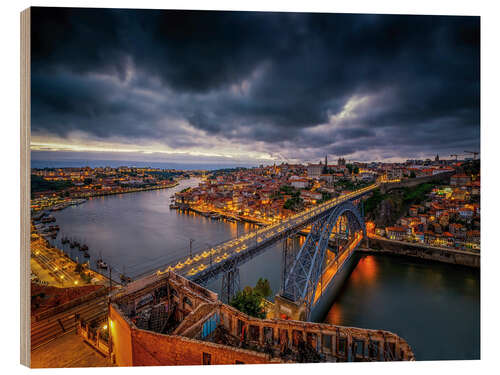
(315, 170)
(299, 183)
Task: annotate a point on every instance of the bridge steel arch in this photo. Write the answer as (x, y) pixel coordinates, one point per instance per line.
(305, 273)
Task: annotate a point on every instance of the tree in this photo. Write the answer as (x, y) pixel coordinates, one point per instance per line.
(249, 302)
(263, 287)
(294, 203)
(412, 174)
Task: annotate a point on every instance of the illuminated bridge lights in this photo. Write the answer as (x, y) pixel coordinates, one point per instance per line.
(236, 246)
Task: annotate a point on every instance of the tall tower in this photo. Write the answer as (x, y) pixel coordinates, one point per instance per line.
(326, 160)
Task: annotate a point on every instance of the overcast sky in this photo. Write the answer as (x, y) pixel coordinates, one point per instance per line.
(247, 87)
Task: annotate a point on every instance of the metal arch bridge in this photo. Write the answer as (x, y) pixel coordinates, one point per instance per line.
(302, 280)
(226, 257)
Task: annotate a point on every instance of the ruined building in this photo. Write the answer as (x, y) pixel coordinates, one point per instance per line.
(168, 320)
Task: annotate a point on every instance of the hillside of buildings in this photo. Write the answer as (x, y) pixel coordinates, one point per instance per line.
(385, 209)
(439, 214)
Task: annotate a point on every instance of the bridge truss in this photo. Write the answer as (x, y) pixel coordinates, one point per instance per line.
(318, 217)
(309, 264)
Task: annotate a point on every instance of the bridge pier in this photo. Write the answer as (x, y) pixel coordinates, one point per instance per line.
(283, 307)
(230, 284)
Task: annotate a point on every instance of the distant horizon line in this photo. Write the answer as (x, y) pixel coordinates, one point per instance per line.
(188, 165)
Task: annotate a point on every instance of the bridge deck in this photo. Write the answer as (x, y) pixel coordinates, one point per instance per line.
(332, 268)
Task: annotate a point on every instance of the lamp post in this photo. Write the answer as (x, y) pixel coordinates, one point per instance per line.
(191, 247)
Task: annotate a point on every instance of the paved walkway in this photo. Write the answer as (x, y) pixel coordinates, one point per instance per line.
(53, 267)
(68, 351)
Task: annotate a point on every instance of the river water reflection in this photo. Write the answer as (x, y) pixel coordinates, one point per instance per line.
(434, 306)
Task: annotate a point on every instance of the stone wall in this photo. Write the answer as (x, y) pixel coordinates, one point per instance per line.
(422, 251)
(384, 188)
(153, 349)
(120, 329)
(334, 343)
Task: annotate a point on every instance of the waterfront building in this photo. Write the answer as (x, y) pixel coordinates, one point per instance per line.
(395, 233)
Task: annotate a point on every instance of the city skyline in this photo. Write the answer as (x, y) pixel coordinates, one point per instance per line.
(249, 88)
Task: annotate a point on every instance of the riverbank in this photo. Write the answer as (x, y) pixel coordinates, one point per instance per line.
(132, 190)
(53, 267)
(225, 216)
(57, 204)
(415, 250)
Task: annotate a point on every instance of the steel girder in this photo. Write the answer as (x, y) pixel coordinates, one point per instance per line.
(230, 284)
(302, 280)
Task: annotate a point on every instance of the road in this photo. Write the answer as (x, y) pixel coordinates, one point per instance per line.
(46, 330)
(424, 245)
(57, 269)
(331, 269)
(191, 266)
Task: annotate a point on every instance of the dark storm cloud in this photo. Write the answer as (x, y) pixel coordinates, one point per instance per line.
(298, 84)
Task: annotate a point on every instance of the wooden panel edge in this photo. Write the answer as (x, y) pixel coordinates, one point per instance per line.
(25, 117)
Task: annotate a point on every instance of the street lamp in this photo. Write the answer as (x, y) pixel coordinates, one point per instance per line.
(191, 247)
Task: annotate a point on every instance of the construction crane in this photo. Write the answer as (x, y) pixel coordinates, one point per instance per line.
(456, 156)
(472, 152)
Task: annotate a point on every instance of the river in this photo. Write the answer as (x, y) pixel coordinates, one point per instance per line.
(435, 307)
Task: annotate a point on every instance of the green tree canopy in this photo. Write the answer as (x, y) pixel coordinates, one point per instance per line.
(250, 300)
(263, 287)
